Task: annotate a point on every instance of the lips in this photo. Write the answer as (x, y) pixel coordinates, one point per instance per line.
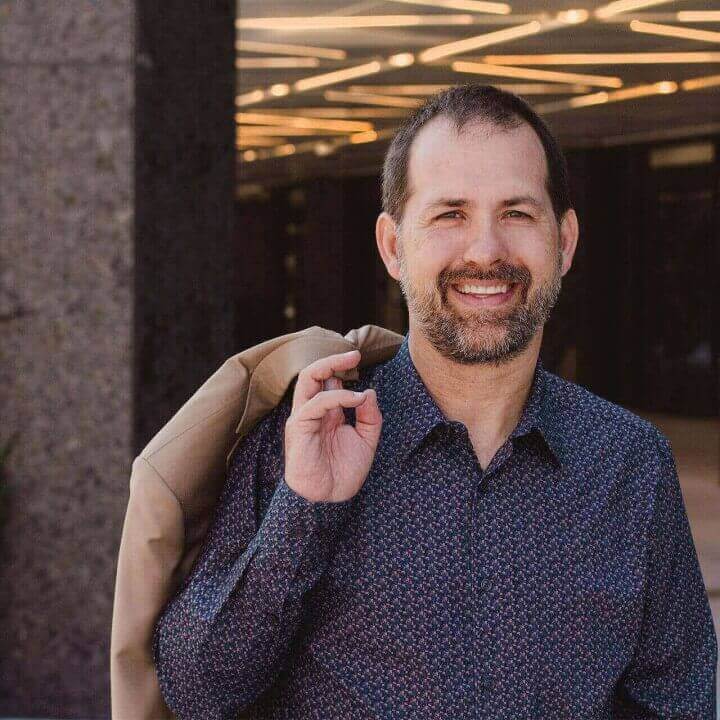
(477, 300)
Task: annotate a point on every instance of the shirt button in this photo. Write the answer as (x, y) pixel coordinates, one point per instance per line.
(483, 584)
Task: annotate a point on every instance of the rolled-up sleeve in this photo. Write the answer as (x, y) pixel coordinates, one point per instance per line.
(673, 672)
(220, 640)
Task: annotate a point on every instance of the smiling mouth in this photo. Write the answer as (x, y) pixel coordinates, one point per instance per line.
(486, 294)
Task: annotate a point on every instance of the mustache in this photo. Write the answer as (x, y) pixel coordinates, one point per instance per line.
(504, 273)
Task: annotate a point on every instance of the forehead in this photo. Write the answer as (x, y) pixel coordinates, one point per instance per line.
(481, 160)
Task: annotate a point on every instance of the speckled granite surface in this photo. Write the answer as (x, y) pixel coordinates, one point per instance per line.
(66, 94)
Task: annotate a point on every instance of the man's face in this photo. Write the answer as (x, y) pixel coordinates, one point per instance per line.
(479, 218)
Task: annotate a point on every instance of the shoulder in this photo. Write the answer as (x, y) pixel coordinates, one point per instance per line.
(594, 426)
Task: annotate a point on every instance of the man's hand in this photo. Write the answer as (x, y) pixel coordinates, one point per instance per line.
(326, 459)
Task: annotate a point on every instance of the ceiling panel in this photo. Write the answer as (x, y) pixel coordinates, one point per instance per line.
(280, 158)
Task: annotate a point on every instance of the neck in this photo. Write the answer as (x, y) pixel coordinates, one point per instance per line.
(486, 398)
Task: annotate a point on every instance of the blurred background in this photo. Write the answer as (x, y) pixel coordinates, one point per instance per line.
(180, 181)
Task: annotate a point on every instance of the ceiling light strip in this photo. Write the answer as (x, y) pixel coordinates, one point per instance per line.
(371, 99)
(297, 121)
(700, 83)
(532, 74)
(478, 41)
(285, 49)
(698, 16)
(674, 31)
(659, 88)
(337, 22)
(477, 6)
(652, 58)
(622, 6)
(275, 62)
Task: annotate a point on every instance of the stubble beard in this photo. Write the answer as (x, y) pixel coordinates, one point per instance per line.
(481, 336)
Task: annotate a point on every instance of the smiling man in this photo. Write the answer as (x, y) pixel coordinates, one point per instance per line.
(487, 540)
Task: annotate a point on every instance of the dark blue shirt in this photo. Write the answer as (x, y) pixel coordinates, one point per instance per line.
(560, 582)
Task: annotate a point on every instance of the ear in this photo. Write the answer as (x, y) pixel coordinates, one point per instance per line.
(569, 232)
(386, 236)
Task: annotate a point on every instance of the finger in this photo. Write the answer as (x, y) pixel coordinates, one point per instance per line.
(316, 408)
(310, 379)
(368, 419)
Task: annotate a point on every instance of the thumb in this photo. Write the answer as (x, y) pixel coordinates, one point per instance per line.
(368, 418)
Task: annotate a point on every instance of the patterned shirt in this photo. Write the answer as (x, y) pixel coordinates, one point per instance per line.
(560, 582)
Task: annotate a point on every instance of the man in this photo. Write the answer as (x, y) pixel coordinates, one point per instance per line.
(487, 539)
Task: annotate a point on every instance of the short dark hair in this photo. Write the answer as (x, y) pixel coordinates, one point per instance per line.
(462, 104)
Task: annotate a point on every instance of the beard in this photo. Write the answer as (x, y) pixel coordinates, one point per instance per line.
(479, 335)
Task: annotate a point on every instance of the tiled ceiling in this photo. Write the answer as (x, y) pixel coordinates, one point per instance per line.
(411, 56)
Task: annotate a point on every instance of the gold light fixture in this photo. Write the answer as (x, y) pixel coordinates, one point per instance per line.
(248, 131)
(653, 58)
(673, 31)
(285, 49)
(275, 62)
(259, 142)
(344, 112)
(337, 76)
(371, 99)
(518, 88)
(338, 22)
(622, 6)
(470, 5)
(659, 88)
(700, 83)
(297, 121)
(532, 74)
(472, 43)
(698, 16)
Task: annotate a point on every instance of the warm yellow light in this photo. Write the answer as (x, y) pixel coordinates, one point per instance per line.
(278, 62)
(254, 96)
(254, 142)
(699, 83)
(279, 89)
(653, 58)
(658, 88)
(531, 74)
(364, 137)
(337, 76)
(370, 99)
(698, 16)
(337, 22)
(322, 149)
(397, 89)
(621, 6)
(282, 150)
(518, 88)
(673, 31)
(573, 17)
(285, 49)
(469, 5)
(498, 36)
(401, 60)
(247, 131)
(345, 112)
(249, 155)
(297, 121)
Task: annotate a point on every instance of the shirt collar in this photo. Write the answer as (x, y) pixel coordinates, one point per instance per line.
(411, 413)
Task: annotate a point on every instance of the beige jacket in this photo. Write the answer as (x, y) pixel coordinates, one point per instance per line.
(176, 480)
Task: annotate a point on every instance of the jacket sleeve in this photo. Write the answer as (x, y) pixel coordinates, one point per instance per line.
(220, 640)
(673, 672)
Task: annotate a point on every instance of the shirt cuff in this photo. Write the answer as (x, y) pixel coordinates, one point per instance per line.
(292, 545)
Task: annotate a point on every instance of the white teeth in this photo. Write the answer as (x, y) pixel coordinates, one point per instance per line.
(477, 290)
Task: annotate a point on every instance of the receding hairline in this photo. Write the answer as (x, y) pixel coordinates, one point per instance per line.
(462, 125)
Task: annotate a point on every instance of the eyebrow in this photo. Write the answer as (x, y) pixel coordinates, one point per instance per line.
(463, 202)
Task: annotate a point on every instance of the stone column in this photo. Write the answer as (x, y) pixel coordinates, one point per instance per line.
(66, 304)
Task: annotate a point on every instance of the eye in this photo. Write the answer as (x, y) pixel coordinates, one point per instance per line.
(447, 214)
(519, 213)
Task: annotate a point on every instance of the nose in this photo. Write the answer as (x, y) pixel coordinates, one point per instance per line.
(485, 246)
